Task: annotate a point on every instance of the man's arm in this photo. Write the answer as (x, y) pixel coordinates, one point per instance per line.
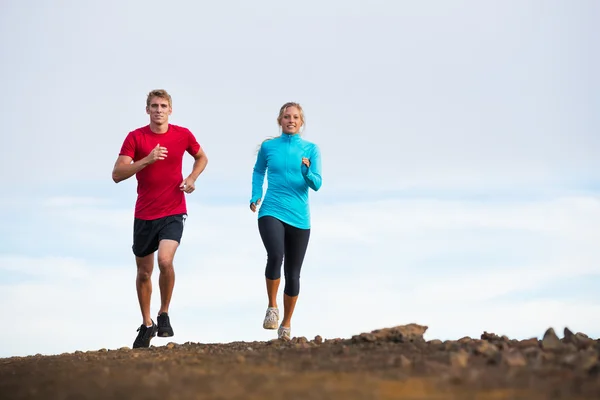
(189, 184)
(125, 169)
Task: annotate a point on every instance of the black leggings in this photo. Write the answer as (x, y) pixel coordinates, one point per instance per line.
(281, 239)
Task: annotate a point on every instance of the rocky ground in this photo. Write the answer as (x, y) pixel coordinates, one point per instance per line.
(389, 363)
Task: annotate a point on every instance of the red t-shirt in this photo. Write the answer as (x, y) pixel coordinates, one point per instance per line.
(158, 189)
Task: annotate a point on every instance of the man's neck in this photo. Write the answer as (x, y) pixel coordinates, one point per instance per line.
(163, 128)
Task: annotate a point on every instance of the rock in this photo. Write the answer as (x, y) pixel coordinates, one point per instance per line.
(465, 340)
(240, 359)
(588, 360)
(435, 342)
(569, 360)
(550, 340)
(490, 337)
(318, 339)
(125, 349)
(530, 352)
(397, 334)
(459, 359)
(533, 342)
(487, 349)
(170, 345)
(513, 358)
(579, 340)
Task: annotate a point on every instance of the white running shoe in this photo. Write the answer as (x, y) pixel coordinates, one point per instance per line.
(284, 333)
(271, 318)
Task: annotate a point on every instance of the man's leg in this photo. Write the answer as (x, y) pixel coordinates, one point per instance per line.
(272, 234)
(169, 239)
(143, 285)
(145, 244)
(166, 280)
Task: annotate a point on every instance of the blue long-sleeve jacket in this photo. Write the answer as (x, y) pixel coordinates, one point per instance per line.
(288, 179)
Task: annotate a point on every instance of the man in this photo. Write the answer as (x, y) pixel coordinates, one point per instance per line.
(154, 153)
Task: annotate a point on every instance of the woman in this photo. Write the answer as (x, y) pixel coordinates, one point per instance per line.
(294, 166)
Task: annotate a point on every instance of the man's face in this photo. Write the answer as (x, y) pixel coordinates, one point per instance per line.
(159, 110)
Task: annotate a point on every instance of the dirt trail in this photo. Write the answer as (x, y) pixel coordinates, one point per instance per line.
(390, 363)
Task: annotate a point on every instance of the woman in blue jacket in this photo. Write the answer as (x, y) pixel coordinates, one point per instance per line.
(294, 166)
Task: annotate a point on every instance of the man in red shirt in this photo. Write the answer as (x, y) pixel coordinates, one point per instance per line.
(154, 154)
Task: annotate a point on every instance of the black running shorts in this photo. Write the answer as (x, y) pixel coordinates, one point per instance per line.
(147, 234)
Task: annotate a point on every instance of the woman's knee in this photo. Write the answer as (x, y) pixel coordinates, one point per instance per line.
(273, 269)
(292, 286)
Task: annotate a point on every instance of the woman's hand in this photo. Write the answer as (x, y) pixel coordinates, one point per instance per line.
(254, 205)
(306, 161)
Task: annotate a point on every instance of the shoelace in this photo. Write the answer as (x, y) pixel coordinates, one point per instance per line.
(272, 316)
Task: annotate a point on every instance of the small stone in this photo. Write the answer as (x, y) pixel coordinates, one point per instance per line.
(318, 339)
(170, 345)
(404, 361)
(249, 349)
(302, 339)
(451, 345)
(436, 367)
(465, 340)
(125, 349)
(514, 358)
(550, 340)
(459, 359)
(240, 359)
(435, 342)
(530, 351)
(102, 351)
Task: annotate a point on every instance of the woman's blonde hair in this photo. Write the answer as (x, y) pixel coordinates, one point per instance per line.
(280, 117)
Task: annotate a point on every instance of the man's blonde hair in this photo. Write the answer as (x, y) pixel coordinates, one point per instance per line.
(159, 93)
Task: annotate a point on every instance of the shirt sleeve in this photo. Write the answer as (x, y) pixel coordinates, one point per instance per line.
(193, 146)
(258, 175)
(312, 174)
(128, 147)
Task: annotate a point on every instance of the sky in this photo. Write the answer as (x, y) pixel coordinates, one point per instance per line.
(461, 185)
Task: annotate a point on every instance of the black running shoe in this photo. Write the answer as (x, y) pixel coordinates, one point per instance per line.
(164, 325)
(145, 335)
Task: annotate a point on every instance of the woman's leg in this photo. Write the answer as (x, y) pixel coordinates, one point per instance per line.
(296, 243)
(272, 233)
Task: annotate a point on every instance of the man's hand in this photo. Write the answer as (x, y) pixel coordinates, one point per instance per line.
(254, 205)
(157, 153)
(188, 185)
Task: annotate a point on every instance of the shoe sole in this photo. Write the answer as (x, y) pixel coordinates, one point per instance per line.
(166, 334)
(270, 327)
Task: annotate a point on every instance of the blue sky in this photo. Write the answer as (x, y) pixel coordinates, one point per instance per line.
(460, 165)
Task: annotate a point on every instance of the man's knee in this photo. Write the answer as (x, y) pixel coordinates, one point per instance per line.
(143, 275)
(165, 263)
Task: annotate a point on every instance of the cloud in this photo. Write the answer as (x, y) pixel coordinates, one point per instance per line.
(459, 267)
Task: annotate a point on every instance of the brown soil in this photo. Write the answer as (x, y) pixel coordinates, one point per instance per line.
(385, 364)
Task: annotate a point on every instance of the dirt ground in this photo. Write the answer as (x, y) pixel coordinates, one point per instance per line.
(394, 363)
